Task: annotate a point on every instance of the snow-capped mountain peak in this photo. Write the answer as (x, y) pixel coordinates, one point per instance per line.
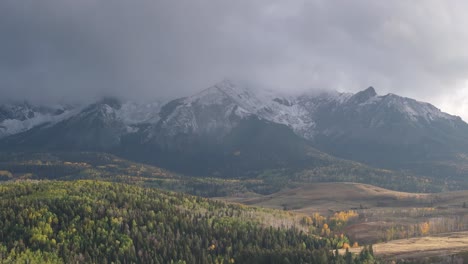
(227, 90)
(221, 107)
(132, 113)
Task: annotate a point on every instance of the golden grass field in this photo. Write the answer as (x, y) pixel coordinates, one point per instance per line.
(421, 247)
(384, 215)
(331, 197)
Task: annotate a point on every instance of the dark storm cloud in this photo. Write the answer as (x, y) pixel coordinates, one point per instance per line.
(75, 50)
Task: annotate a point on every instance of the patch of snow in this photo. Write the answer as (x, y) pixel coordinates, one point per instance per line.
(132, 113)
(132, 129)
(416, 110)
(372, 100)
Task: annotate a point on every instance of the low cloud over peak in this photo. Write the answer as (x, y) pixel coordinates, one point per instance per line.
(79, 50)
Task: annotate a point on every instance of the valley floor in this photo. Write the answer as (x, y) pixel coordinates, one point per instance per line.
(422, 247)
(379, 214)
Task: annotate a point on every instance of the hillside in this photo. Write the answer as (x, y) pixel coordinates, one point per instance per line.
(99, 222)
(333, 196)
(379, 214)
(103, 166)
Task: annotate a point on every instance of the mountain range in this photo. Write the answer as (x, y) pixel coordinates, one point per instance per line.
(232, 129)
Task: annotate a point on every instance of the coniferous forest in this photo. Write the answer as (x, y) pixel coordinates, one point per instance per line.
(101, 222)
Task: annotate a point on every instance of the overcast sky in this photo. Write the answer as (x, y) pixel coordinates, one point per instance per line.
(77, 50)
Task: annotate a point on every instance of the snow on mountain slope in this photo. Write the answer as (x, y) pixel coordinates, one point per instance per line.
(415, 110)
(20, 117)
(136, 113)
(124, 117)
(220, 107)
(271, 106)
(409, 108)
(17, 118)
(208, 111)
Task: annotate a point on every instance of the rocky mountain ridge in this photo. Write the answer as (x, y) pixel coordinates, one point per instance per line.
(387, 131)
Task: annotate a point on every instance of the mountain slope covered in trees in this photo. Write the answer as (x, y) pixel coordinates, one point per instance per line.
(103, 166)
(98, 222)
